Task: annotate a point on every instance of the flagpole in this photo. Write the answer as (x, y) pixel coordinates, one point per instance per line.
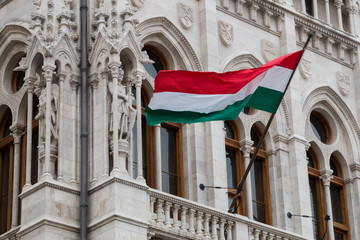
(233, 207)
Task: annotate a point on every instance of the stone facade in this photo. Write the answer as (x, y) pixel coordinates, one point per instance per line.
(41, 39)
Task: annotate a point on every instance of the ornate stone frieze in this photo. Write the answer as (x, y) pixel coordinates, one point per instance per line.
(185, 15)
(343, 83)
(268, 50)
(226, 33)
(305, 68)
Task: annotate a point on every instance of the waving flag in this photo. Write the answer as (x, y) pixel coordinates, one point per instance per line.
(188, 97)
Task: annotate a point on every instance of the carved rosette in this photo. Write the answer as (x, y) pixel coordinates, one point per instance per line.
(226, 33)
(305, 68)
(268, 50)
(343, 82)
(185, 15)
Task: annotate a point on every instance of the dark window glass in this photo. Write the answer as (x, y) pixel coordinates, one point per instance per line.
(310, 160)
(314, 208)
(255, 137)
(336, 204)
(258, 191)
(4, 188)
(229, 130)
(155, 67)
(248, 111)
(309, 7)
(35, 156)
(169, 166)
(334, 167)
(318, 128)
(17, 80)
(231, 168)
(339, 236)
(6, 125)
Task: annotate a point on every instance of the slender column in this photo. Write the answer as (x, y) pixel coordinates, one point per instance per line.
(327, 11)
(159, 212)
(17, 132)
(60, 161)
(104, 77)
(206, 226)
(115, 73)
(183, 218)
(158, 180)
(303, 6)
(315, 9)
(94, 81)
(74, 83)
(352, 13)
(138, 83)
(246, 148)
(30, 85)
(338, 4)
(48, 74)
(326, 177)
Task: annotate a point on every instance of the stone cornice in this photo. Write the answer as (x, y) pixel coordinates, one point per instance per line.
(52, 184)
(355, 167)
(110, 180)
(116, 217)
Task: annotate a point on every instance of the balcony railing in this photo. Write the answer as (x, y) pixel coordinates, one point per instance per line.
(174, 217)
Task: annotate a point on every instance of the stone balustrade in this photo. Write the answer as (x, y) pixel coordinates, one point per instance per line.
(174, 217)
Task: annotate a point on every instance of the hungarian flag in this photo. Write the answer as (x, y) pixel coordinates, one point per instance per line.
(188, 97)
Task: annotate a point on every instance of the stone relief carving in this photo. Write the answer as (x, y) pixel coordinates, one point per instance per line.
(343, 82)
(305, 68)
(226, 32)
(269, 51)
(185, 15)
(138, 3)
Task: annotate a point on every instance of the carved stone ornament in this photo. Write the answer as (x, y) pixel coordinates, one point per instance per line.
(305, 68)
(343, 82)
(226, 32)
(138, 3)
(185, 15)
(268, 50)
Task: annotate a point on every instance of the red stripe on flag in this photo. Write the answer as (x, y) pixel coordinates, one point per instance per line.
(217, 83)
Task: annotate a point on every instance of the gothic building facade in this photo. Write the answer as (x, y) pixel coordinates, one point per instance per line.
(143, 182)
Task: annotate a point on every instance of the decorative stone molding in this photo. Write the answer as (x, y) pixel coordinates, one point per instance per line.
(239, 7)
(185, 15)
(74, 82)
(343, 83)
(305, 68)
(94, 80)
(268, 50)
(225, 4)
(226, 33)
(17, 131)
(138, 3)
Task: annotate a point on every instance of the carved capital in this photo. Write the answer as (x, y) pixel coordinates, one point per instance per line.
(94, 80)
(326, 176)
(138, 78)
(74, 82)
(48, 72)
(338, 3)
(17, 131)
(115, 70)
(245, 147)
(62, 76)
(104, 74)
(30, 84)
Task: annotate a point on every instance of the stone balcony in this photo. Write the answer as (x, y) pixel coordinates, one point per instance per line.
(177, 218)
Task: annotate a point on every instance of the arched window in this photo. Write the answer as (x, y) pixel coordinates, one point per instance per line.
(170, 135)
(316, 194)
(338, 201)
(6, 170)
(234, 163)
(260, 189)
(320, 127)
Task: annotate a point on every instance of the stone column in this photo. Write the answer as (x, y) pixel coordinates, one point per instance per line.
(245, 149)
(30, 85)
(17, 132)
(315, 9)
(104, 92)
(326, 177)
(327, 11)
(138, 83)
(60, 162)
(115, 73)
(158, 180)
(352, 13)
(48, 75)
(94, 81)
(338, 4)
(74, 83)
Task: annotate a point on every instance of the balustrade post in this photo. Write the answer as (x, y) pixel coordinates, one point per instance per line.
(152, 206)
(257, 234)
(199, 223)
(183, 218)
(159, 212)
(191, 221)
(214, 228)
(229, 230)
(264, 235)
(176, 225)
(206, 225)
(251, 233)
(167, 214)
(222, 229)
(271, 236)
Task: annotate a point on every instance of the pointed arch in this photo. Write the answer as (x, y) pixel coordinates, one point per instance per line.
(237, 62)
(164, 35)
